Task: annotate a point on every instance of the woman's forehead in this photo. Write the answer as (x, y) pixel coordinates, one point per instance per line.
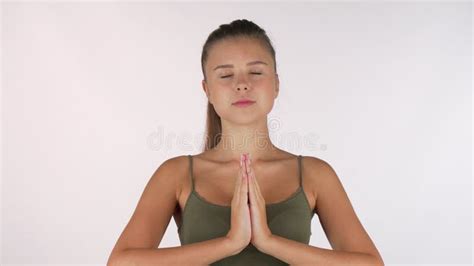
(245, 51)
(238, 45)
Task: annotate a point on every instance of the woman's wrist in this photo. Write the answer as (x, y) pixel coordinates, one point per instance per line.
(233, 247)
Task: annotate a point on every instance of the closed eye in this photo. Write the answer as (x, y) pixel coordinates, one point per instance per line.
(254, 73)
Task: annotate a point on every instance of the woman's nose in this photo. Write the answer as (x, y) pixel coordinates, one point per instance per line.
(242, 82)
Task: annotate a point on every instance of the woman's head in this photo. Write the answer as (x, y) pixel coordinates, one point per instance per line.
(237, 28)
(237, 61)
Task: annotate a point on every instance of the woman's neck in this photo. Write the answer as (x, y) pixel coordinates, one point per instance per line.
(230, 148)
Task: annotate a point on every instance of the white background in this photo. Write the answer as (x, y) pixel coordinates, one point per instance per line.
(95, 96)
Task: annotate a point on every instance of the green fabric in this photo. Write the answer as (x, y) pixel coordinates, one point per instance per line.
(203, 220)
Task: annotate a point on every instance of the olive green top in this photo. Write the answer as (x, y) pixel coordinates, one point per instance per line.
(203, 220)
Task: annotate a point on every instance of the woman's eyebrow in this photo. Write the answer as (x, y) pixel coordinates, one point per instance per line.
(248, 64)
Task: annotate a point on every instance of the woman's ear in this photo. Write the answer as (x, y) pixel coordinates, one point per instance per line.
(205, 88)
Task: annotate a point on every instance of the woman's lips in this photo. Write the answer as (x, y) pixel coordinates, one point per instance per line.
(243, 103)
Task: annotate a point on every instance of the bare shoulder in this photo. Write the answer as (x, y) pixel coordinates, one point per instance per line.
(317, 172)
(174, 169)
(317, 168)
(175, 163)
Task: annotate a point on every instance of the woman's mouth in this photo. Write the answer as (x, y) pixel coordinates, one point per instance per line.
(243, 103)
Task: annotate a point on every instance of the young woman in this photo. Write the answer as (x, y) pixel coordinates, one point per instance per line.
(243, 201)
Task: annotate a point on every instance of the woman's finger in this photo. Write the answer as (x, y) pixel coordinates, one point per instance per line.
(238, 183)
(244, 183)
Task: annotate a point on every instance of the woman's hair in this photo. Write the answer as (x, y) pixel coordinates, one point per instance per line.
(235, 29)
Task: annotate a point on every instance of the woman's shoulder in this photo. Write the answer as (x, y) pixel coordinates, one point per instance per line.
(311, 162)
(175, 167)
(316, 166)
(175, 162)
(314, 161)
(175, 170)
(317, 173)
(320, 173)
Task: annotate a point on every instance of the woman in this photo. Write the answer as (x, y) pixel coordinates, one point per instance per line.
(243, 201)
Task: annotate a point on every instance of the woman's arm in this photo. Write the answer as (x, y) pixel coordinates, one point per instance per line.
(137, 245)
(297, 253)
(200, 253)
(350, 242)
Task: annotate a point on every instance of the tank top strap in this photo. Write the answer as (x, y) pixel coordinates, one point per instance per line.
(191, 171)
(300, 171)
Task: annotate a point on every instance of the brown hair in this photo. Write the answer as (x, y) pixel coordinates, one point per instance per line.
(235, 29)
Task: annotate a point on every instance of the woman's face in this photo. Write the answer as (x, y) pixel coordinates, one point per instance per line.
(240, 68)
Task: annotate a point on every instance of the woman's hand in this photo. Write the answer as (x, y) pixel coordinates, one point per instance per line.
(240, 227)
(258, 215)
